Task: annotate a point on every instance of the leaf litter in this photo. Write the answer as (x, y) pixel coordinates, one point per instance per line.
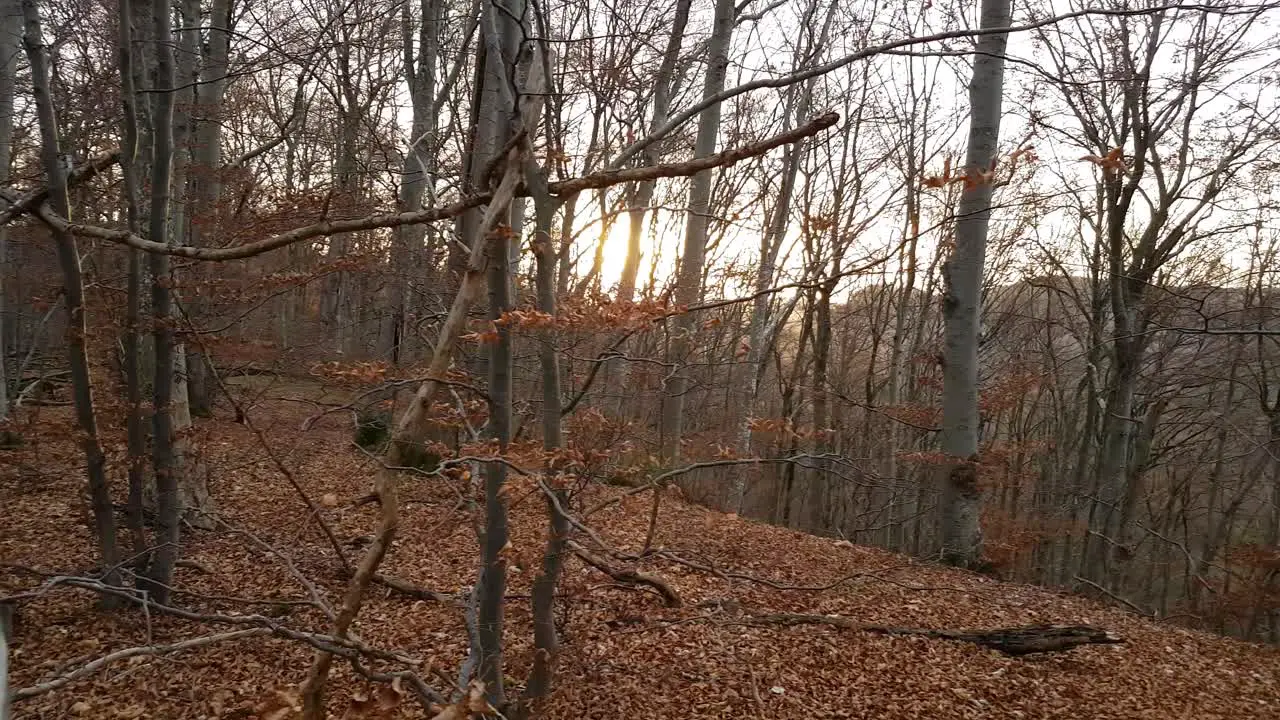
(625, 653)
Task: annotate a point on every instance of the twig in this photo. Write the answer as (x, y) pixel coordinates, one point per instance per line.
(1112, 595)
(96, 665)
(19, 204)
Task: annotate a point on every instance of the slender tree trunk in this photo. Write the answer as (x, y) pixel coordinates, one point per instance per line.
(193, 490)
(501, 32)
(758, 329)
(493, 578)
(545, 642)
(416, 173)
(205, 181)
(10, 46)
(961, 493)
(163, 459)
(689, 283)
(73, 289)
(817, 479)
(130, 169)
(1105, 541)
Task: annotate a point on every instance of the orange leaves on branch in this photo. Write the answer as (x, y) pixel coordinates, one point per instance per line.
(1112, 163)
(530, 319)
(821, 224)
(357, 373)
(1000, 170)
(1007, 390)
(486, 337)
(783, 428)
(915, 415)
(593, 315)
(942, 179)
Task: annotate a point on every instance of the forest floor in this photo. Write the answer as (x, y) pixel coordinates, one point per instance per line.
(625, 654)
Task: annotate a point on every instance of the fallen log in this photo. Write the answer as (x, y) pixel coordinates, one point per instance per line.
(1015, 642)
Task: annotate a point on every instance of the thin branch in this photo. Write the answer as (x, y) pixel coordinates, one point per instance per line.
(563, 188)
(98, 664)
(20, 204)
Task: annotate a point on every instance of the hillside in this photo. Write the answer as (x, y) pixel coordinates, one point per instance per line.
(626, 653)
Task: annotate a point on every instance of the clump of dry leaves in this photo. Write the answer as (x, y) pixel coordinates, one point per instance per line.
(626, 652)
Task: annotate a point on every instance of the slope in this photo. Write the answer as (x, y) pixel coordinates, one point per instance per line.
(627, 652)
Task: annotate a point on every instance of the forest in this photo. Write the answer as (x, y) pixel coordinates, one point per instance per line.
(738, 358)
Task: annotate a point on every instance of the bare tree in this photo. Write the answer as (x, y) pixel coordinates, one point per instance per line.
(962, 495)
(689, 285)
(54, 163)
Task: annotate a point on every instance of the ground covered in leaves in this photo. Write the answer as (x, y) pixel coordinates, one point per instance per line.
(626, 653)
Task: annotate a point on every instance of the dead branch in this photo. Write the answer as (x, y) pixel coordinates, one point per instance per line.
(627, 576)
(96, 665)
(1127, 603)
(404, 587)
(563, 188)
(1015, 642)
(20, 204)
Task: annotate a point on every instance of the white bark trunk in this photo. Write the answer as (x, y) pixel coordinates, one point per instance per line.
(961, 493)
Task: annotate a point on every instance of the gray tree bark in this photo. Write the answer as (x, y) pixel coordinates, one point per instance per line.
(417, 172)
(501, 35)
(204, 182)
(545, 641)
(164, 462)
(73, 288)
(961, 493)
(10, 47)
(689, 282)
(131, 170)
(759, 327)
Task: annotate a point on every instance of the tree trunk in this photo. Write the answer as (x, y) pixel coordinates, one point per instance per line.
(73, 288)
(961, 493)
(545, 641)
(130, 170)
(164, 461)
(10, 46)
(501, 33)
(758, 329)
(689, 283)
(205, 186)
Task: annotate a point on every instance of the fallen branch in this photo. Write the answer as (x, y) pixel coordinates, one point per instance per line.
(627, 576)
(96, 665)
(1015, 642)
(404, 587)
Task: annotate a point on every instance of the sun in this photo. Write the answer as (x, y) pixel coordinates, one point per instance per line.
(614, 258)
